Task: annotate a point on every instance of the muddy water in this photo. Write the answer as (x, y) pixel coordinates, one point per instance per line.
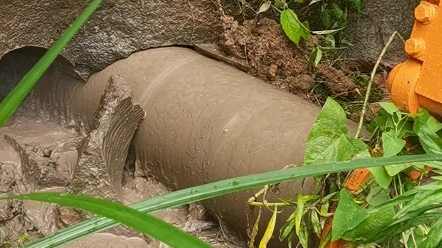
(40, 152)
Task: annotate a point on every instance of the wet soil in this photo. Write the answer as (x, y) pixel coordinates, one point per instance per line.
(268, 54)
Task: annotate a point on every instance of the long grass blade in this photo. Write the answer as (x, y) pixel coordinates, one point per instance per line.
(228, 186)
(27, 83)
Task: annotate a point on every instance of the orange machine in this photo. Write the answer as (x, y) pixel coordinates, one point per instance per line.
(417, 82)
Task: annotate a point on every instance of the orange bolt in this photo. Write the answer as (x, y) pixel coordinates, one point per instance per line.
(425, 12)
(415, 47)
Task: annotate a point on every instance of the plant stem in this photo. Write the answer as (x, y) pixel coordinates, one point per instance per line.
(373, 73)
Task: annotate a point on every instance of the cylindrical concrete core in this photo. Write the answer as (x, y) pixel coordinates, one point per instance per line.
(206, 121)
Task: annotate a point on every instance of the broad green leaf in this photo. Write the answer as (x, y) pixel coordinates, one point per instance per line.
(373, 223)
(393, 170)
(130, 217)
(389, 107)
(329, 140)
(292, 27)
(315, 57)
(348, 215)
(228, 186)
(269, 231)
(381, 176)
(434, 238)
(377, 196)
(27, 83)
(391, 144)
(265, 6)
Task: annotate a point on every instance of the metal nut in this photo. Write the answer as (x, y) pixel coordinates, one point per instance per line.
(425, 12)
(415, 47)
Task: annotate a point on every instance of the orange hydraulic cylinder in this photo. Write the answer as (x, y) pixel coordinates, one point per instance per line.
(417, 82)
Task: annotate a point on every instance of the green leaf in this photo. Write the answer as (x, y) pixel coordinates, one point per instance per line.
(386, 234)
(348, 215)
(292, 27)
(288, 227)
(299, 213)
(425, 126)
(315, 57)
(391, 144)
(315, 223)
(381, 176)
(422, 199)
(393, 170)
(329, 140)
(389, 107)
(377, 196)
(269, 230)
(27, 83)
(303, 237)
(434, 238)
(358, 4)
(215, 189)
(130, 217)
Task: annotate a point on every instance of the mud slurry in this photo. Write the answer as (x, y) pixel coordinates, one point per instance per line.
(38, 156)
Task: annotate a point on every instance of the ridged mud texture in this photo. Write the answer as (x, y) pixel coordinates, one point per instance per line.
(103, 155)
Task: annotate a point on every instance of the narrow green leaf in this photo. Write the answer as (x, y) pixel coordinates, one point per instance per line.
(299, 213)
(288, 227)
(211, 190)
(384, 235)
(130, 217)
(425, 126)
(434, 238)
(269, 230)
(315, 222)
(19, 93)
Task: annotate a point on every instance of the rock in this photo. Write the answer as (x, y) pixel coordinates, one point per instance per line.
(369, 31)
(117, 29)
